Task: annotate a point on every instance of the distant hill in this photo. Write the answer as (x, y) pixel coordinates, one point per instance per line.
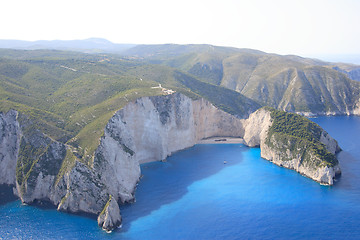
(352, 71)
(91, 45)
(291, 83)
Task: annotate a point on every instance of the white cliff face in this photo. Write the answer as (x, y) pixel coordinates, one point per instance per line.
(295, 160)
(9, 146)
(256, 127)
(159, 126)
(330, 143)
(212, 122)
(151, 129)
(84, 191)
(119, 170)
(356, 110)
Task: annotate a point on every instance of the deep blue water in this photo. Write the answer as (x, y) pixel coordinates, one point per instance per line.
(194, 195)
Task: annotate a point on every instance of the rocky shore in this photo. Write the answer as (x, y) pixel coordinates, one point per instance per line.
(148, 129)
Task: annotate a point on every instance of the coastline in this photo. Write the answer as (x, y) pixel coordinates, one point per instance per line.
(220, 140)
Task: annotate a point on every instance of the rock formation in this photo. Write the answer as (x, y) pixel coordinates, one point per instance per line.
(287, 149)
(151, 129)
(148, 129)
(110, 217)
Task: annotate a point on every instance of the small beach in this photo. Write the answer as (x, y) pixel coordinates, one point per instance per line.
(221, 140)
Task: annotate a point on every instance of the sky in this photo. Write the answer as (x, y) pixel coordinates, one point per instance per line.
(301, 27)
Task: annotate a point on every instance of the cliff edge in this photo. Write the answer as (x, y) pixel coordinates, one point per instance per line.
(148, 129)
(292, 141)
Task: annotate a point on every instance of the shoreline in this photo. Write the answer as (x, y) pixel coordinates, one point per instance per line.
(220, 140)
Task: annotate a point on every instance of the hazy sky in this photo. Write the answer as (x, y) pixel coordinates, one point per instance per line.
(280, 26)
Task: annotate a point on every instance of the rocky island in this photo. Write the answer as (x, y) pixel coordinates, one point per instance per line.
(148, 129)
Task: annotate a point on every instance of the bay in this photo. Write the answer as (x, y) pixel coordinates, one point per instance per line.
(194, 195)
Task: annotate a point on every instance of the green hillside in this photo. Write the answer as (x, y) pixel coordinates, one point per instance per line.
(303, 134)
(71, 96)
(290, 83)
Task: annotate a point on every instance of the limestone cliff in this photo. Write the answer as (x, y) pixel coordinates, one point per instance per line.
(9, 147)
(283, 140)
(256, 128)
(37, 164)
(148, 129)
(151, 129)
(33, 163)
(82, 191)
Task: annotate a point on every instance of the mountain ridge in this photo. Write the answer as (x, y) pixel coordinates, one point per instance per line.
(90, 45)
(285, 82)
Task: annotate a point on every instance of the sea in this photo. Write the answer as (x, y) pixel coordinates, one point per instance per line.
(219, 191)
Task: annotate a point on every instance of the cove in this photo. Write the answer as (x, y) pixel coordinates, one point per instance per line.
(194, 195)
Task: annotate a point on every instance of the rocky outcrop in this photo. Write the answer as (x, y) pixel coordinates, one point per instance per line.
(256, 128)
(330, 143)
(84, 191)
(110, 217)
(37, 164)
(306, 162)
(291, 151)
(37, 182)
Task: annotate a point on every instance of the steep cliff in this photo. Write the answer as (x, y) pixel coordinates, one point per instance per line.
(148, 129)
(9, 147)
(294, 142)
(151, 129)
(41, 172)
(84, 191)
(38, 162)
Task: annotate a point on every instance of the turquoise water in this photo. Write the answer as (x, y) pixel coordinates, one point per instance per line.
(194, 195)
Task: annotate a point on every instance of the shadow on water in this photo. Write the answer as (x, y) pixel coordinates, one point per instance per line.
(167, 182)
(350, 167)
(6, 194)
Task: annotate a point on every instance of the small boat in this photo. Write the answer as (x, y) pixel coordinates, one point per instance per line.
(225, 162)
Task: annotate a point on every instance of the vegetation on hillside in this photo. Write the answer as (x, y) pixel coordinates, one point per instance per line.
(290, 83)
(70, 96)
(303, 134)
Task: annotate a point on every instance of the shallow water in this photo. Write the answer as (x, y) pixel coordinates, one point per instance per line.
(194, 195)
